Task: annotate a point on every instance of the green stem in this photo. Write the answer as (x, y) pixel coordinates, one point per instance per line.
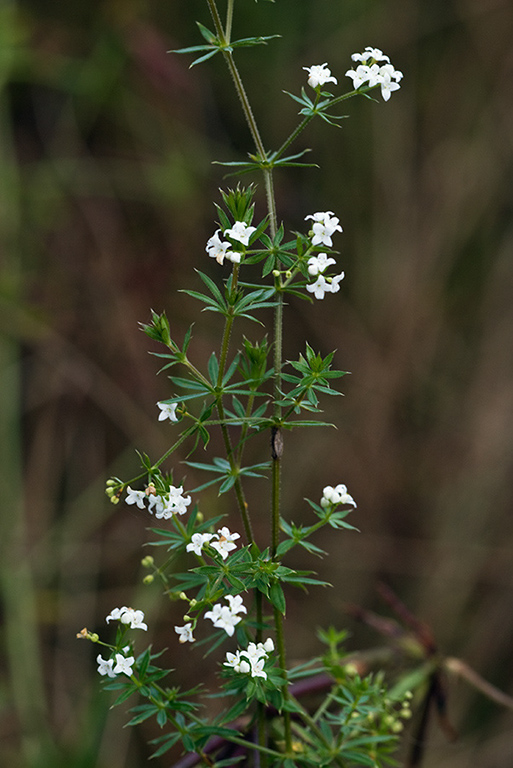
(278, 337)
(302, 125)
(230, 454)
(293, 136)
(229, 19)
(280, 645)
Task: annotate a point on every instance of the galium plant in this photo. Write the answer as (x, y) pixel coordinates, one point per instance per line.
(235, 587)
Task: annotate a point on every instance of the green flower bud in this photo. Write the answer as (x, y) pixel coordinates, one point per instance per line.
(147, 561)
(149, 579)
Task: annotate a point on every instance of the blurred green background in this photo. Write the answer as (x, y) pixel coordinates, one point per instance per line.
(106, 189)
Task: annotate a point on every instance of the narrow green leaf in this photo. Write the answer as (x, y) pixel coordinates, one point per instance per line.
(213, 368)
(277, 597)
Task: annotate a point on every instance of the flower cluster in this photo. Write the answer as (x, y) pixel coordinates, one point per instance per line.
(226, 616)
(124, 665)
(324, 226)
(251, 661)
(127, 616)
(337, 495)
(371, 73)
(224, 544)
(219, 249)
(162, 505)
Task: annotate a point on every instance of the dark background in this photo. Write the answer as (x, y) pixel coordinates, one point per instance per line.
(106, 190)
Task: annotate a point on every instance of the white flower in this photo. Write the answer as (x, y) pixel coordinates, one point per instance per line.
(370, 53)
(257, 669)
(319, 288)
(387, 86)
(105, 667)
(388, 70)
(198, 541)
(218, 250)
(234, 660)
(123, 665)
(319, 74)
(127, 616)
(226, 542)
(168, 411)
(115, 614)
(317, 264)
(236, 604)
(334, 282)
(135, 497)
(337, 495)
(255, 652)
(222, 618)
(185, 633)
(358, 75)
(324, 226)
(268, 646)
(134, 618)
(240, 232)
(156, 501)
(215, 613)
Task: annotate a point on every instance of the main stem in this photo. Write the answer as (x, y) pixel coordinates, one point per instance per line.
(276, 441)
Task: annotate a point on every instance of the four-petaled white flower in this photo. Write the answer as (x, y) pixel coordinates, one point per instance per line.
(336, 495)
(219, 250)
(127, 616)
(168, 411)
(185, 633)
(236, 604)
(334, 282)
(257, 669)
(105, 667)
(224, 616)
(124, 664)
(240, 232)
(387, 86)
(198, 541)
(319, 74)
(320, 287)
(317, 264)
(226, 542)
(135, 497)
(324, 226)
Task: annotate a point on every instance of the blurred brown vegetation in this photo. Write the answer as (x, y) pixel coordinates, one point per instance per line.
(105, 207)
